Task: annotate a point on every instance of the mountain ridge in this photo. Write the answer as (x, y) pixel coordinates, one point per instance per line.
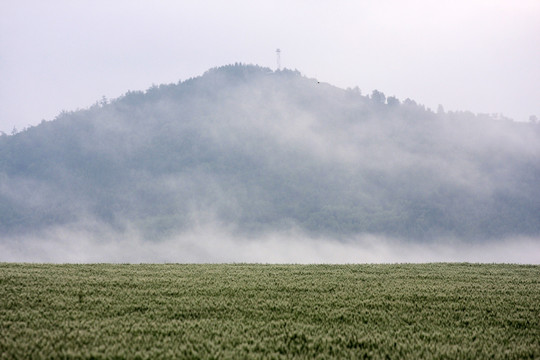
(261, 151)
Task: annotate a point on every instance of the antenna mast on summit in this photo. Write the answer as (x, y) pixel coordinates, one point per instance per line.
(278, 59)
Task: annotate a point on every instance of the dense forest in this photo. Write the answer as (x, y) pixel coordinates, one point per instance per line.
(259, 150)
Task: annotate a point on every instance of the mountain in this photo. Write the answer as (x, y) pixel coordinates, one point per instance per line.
(258, 151)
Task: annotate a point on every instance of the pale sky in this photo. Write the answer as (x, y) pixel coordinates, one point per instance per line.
(476, 55)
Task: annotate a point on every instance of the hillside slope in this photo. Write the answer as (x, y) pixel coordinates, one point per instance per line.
(260, 151)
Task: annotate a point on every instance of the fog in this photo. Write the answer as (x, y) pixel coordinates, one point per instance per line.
(246, 164)
(212, 243)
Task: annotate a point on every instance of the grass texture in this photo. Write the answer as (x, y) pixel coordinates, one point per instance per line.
(458, 311)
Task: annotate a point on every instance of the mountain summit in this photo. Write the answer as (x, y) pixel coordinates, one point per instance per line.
(259, 151)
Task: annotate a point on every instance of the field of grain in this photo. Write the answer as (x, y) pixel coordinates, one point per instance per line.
(270, 311)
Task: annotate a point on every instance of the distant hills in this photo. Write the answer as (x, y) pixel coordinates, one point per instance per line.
(259, 150)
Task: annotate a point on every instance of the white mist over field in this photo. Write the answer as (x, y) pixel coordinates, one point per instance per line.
(212, 243)
(246, 164)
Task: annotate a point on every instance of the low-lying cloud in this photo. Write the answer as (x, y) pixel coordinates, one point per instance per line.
(315, 173)
(211, 243)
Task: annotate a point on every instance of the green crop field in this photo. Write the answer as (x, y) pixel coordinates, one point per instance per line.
(460, 311)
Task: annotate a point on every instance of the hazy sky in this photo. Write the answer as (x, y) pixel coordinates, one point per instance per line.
(482, 56)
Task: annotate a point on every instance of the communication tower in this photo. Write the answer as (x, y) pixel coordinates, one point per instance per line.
(278, 59)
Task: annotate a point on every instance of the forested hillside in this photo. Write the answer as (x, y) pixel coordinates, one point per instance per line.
(259, 151)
